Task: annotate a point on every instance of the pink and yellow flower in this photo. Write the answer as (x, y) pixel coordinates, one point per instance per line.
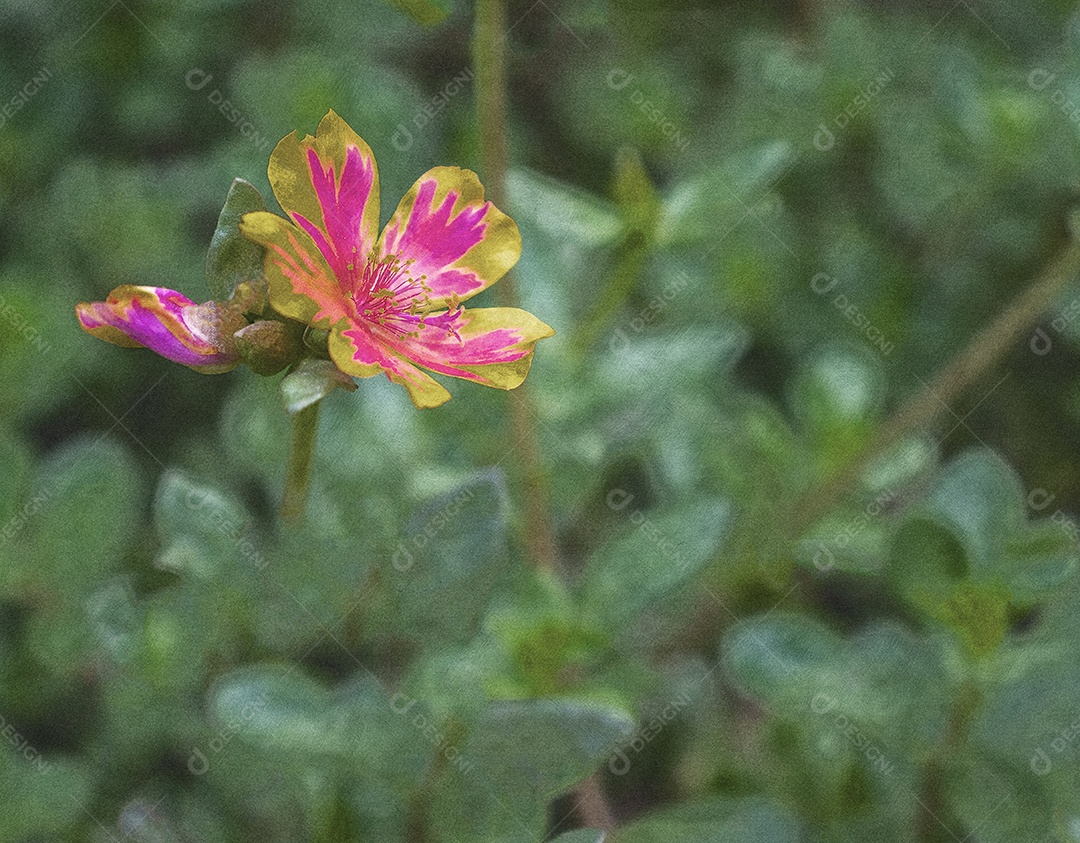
(392, 303)
(165, 321)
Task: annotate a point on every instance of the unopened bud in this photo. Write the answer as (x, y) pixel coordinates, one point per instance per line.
(316, 339)
(250, 297)
(216, 324)
(268, 346)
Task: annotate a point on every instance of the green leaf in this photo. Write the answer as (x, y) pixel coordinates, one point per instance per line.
(43, 796)
(311, 381)
(750, 820)
(884, 680)
(782, 658)
(427, 12)
(1039, 560)
(836, 395)
(564, 211)
(979, 614)
(279, 709)
(981, 499)
(998, 803)
(517, 757)
(453, 548)
(89, 492)
(583, 835)
(203, 530)
(233, 259)
(656, 554)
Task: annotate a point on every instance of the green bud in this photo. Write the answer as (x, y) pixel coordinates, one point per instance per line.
(268, 346)
(316, 339)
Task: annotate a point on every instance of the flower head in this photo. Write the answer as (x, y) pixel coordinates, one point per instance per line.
(165, 321)
(392, 302)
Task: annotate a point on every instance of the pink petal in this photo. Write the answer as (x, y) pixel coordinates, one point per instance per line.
(164, 321)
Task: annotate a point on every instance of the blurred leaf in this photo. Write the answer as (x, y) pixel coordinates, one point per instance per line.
(1002, 803)
(89, 492)
(517, 757)
(453, 548)
(1039, 559)
(203, 530)
(311, 381)
(233, 259)
(427, 12)
(884, 681)
(583, 835)
(751, 820)
(279, 709)
(653, 557)
(562, 210)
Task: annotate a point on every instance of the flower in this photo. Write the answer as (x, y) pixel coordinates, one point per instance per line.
(392, 302)
(165, 321)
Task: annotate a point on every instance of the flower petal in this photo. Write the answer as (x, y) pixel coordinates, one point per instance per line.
(302, 285)
(489, 345)
(356, 353)
(165, 321)
(329, 186)
(461, 243)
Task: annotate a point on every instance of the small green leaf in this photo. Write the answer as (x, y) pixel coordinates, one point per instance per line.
(1039, 560)
(979, 614)
(311, 381)
(427, 12)
(232, 258)
(583, 835)
(782, 658)
(981, 500)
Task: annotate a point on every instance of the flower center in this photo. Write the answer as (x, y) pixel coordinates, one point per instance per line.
(385, 292)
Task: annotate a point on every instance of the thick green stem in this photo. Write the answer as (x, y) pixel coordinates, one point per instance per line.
(298, 471)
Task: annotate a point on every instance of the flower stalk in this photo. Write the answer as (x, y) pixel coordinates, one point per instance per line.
(298, 469)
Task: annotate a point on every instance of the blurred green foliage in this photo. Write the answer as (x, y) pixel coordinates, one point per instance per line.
(757, 229)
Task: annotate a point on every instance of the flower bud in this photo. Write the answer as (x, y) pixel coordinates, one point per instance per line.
(268, 346)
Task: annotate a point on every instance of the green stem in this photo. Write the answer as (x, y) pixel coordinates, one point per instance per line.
(489, 60)
(298, 472)
(971, 363)
(489, 57)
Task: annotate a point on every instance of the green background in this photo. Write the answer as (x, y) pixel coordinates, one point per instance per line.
(757, 230)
